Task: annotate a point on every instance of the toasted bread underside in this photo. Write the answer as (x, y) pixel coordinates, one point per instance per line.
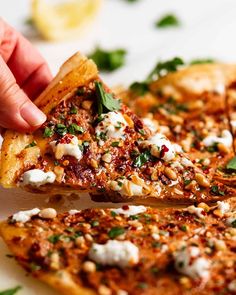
(75, 72)
(60, 281)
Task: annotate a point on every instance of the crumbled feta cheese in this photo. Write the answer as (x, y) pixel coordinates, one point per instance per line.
(156, 236)
(67, 149)
(131, 210)
(37, 177)
(195, 210)
(120, 253)
(151, 124)
(233, 124)
(127, 188)
(226, 139)
(112, 125)
(158, 142)
(177, 148)
(223, 207)
(73, 211)
(189, 262)
(24, 216)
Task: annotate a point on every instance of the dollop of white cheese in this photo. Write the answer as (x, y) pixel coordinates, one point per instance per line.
(195, 210)
(189, 262)
(37, 177)
(158, 142)
(119, 253)
(131, 210)
(151, 124)
(67, 149)
(112, 125)
(24, 216)
(226, 139)
(223, 207)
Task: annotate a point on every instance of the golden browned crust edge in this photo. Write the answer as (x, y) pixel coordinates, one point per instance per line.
(75, 72)
(61, 281)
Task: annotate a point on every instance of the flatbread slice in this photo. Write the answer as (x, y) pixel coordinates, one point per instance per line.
(128, 250)
(190, 107)
(93, 143)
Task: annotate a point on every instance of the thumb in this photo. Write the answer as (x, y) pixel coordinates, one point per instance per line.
(17, 111)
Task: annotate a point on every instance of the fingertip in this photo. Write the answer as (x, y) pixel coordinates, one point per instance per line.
(32, 115)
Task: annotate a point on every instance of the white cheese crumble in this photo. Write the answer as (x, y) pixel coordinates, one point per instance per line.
(226, 139)
(67, 149)
(24, 216)
(151, 124)
(186, 162)
(189, 262)
(127, 188)
(195, 210)
(157, 142)
(37, 177)
(112, 125)
(131, 210)
(232, 286)
(120, 253)
(73, 211)
(233, 124)
(223, 207)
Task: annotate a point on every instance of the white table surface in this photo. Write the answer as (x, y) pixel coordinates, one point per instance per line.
(208, 30)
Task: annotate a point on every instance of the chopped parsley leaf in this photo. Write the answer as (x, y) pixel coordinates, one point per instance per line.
(95, 223)
(168, 20)
(115, 144)
(216, 191)
(140, 88)
(184, 228)
(115, 232)
(108, 60)
(11, 291)
(74, 129)
(34, 267)
(61, 129)
(113, 214)
(142, 159)
(48, 132)
(232, 164)
(32, 144)
(233, 223)
(105, 101)
(54, 238)
(73, 110)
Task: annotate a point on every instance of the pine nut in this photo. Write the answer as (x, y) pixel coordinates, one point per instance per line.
(107, 158)
(202, 180)
(89, 266)
(86, 104)
(94, 163)
(104, 290)
(222, 148)
(48, 213)
(170, 173)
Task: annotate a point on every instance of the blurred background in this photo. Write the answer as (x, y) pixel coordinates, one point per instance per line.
(195, 29)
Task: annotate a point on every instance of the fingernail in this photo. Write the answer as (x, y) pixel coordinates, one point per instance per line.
(32, 115)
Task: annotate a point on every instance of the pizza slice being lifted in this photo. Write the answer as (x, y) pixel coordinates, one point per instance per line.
(129, 250)
(93, 143)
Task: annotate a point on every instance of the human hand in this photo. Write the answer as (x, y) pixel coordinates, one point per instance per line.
(23, 76)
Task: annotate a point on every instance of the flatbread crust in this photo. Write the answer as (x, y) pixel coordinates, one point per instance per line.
(180, 251)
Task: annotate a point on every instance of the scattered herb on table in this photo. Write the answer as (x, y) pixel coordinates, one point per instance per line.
(168, 20)
(108, 60)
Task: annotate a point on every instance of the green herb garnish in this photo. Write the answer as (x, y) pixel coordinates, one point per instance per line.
(108, 60)
(232, 164)
(168, 20)
(105, 101)
(11, 291)
(73, 110)
(184, 228)
(216, 191)
(74, 129)
(115, 144)
(54, 238)
(142, 159)
(61, 129)
(115, 232)
(233, 223)
(140, 88)
(33, 143)
(48, 132)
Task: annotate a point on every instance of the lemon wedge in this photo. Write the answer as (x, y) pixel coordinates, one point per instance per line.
(65, 19)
